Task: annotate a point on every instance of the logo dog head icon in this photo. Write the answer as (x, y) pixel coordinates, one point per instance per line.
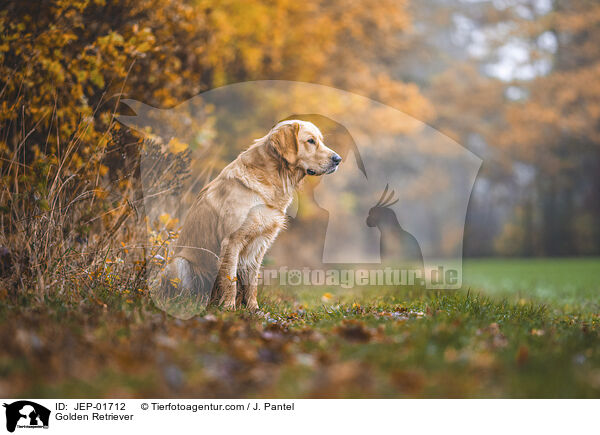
(25, 413)
(426, 177)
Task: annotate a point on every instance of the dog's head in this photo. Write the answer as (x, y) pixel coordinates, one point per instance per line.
(300, 144)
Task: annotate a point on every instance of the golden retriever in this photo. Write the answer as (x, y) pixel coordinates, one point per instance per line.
(238, 215)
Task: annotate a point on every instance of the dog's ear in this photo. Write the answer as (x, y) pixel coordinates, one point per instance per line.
(285, 142)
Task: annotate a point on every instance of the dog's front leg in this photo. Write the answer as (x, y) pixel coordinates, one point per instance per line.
(251, 259)
(248, 277)
(225, 288)
(249, 243)
(251, 290)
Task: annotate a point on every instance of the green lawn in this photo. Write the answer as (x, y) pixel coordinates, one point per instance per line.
(568, 283)
(518, 329)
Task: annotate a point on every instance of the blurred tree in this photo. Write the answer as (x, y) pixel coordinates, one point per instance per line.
(64, 64)
(522, 92)
(555, 128)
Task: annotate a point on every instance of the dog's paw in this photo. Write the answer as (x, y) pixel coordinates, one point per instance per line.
(228, 305)
(252, 306)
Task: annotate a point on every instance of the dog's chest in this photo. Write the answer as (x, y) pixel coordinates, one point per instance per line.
(273, 203)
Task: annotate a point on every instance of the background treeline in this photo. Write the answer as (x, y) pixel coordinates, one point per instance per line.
(517, 83)
(514, 81)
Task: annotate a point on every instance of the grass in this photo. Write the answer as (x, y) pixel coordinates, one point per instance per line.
(569, 283)
(522, 329)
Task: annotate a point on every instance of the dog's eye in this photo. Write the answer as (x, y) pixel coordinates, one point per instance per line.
(312, 141)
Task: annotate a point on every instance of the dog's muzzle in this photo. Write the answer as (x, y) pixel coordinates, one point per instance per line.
(335, 161)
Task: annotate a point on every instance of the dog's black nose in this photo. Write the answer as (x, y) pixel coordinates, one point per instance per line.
(336, 159)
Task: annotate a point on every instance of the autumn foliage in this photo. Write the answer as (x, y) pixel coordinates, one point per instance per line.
(68, 168)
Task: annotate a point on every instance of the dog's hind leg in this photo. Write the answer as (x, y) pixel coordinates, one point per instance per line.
(180, 279)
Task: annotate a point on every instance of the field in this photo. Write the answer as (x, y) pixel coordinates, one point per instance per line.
(519, 328)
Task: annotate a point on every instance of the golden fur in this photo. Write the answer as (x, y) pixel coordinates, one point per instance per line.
(238, 215)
